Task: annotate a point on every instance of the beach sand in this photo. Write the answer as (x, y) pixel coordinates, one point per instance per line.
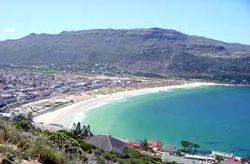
(72, 113)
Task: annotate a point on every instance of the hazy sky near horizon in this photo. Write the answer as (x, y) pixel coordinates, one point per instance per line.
(227, 20)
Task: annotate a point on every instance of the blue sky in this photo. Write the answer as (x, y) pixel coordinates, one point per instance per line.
(227, 20)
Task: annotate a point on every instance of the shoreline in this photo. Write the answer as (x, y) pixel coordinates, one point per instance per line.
(73, 113)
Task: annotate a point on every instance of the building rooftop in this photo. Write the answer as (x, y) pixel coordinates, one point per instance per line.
(180, 160)
(108, 143)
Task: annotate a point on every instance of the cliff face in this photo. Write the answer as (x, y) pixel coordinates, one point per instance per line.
(153, 50)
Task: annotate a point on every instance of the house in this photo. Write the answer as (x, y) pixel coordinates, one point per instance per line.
(200, 157)
(134, 144)
(222, 154)
(181, 160)
(147, 153)
(62, 101)
(154, 144)
(237, 158)
(168, 148)
(230, 161)
(108, 143)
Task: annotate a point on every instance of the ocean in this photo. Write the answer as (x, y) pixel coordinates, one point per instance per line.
(215, 117)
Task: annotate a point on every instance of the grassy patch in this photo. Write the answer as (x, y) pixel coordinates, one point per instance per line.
(46, 154)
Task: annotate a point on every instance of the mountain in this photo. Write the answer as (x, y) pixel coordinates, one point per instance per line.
(154, 50)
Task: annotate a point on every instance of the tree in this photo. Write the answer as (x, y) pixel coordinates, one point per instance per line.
(196, 146)
(185, 145)
(189, 146)
(73, 128)
(219, 158)
(30, 116)
(89, 131)
(145, 144)
(81, 131)
(78, 130)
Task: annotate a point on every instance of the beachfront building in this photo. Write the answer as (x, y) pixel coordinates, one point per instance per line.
(108, 143)
(134, 144)
(154, 144)
(200, 157)
(168, 149)
(222, 154)
(181, 160)
(231, 161)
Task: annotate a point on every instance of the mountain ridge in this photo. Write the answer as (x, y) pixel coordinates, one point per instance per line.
(125, 29)
(153, 50)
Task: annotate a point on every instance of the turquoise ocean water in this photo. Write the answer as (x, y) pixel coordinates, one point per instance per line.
(217, 118)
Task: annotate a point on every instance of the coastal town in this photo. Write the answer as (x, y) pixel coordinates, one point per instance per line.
(23, 87)
(35, 93)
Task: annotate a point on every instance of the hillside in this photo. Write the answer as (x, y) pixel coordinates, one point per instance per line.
(159, 51)
(20, 142)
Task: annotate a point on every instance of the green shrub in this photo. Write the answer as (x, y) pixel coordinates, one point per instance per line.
(136, 157)
(23, 124)
(101, 160)
(66, 133)
(14, 137)
(6, 161)
(133, 153)
(64, 142)
(46, 155)
(107, 156)
(85, 146)
(98, 152)
(9, 155)
(3, 134)
(24, 155)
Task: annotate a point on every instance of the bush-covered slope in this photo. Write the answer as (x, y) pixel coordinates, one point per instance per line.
(20, 143)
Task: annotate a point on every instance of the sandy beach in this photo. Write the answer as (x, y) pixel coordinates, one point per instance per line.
(72, 113)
